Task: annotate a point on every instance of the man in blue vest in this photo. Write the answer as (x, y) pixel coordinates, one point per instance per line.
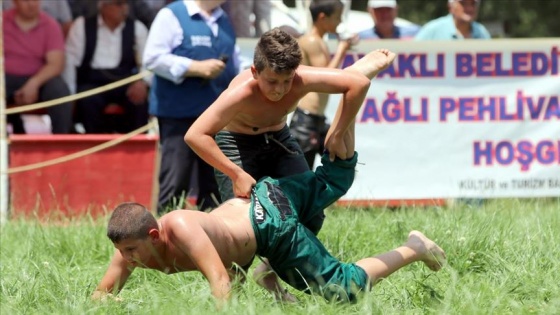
(191, 50)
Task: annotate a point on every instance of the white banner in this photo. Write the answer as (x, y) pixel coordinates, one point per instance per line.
(458, 119)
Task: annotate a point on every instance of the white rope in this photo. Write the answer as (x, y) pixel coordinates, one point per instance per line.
(70, 98)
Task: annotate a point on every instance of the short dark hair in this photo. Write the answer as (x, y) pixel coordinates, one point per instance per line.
(130, 220)
(323, 6)
(277, 50)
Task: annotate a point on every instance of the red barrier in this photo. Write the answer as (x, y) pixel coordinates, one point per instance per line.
(91, 184)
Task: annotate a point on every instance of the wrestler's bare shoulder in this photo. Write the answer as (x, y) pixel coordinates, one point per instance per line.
(242, 78)
(191, 223)
(180, 215)
(228, 227)
(242, 90)
(178, 220)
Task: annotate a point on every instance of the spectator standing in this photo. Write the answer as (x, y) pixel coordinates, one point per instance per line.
(309, 124)
(383, 14)
(102, 49)
(460, 23)
(191, 50)
(246, 14)
(34, 61)
(59, 10)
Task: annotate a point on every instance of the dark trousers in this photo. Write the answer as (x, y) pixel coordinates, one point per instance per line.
(90, 111)
(178, 161)
(275, 154)
(310, 131)
(61, 115)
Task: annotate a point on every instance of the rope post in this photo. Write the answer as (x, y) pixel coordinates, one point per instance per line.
(4, 189)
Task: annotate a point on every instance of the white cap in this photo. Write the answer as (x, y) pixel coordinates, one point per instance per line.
(382, 4)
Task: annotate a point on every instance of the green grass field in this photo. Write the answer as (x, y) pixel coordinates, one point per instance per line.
(503, 258)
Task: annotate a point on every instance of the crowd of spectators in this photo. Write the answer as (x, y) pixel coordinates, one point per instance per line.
(102, 41)
(460, 23)
(57, 48)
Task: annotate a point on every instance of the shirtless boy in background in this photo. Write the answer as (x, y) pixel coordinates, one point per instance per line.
(308, 124)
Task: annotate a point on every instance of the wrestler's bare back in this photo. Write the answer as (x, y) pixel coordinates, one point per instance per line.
(227, 226)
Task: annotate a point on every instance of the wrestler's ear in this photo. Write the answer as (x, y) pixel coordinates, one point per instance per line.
(254, 72)
(154, 234)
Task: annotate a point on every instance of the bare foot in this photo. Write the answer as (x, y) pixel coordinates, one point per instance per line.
(374, 62)
(267, 279)
(429, 252)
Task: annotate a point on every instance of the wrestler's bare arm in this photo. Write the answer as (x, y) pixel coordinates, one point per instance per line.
(191, 238)
(332, 81)
(115, 277)
(200, 136)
